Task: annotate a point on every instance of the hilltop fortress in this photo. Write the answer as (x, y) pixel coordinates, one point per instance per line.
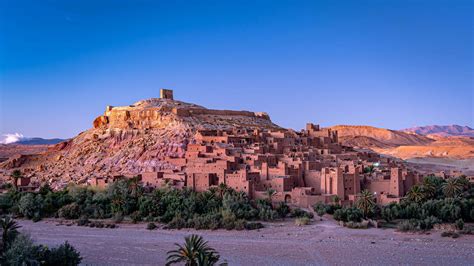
(302, 167)
(172, 143)
(158, 113)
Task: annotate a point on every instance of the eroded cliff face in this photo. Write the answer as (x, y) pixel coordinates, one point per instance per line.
(131, 139)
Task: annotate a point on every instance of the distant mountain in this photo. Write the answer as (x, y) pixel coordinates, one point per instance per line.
(39, 141)
(409, 144)
(373, 137)
(446, 131)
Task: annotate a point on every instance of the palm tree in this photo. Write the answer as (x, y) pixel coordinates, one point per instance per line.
(195, 252)
(14, 177)
(452, 187)
(134, 186)
(9, 227)
(416, 194)
(270, 193)
(366, 202)
(430, 186)
(222, 189)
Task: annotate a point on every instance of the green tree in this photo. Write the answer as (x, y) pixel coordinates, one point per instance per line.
(14, 177)
(452, 187)
(65, 254)
(416, 194)
(27, 205)
(222, 189)
(9, 231)
(366, 202)
(195, 252)
(320, 209)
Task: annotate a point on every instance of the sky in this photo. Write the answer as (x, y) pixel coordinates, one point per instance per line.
(391, 64)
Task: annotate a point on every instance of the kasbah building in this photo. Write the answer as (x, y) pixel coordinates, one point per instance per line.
(301, 167)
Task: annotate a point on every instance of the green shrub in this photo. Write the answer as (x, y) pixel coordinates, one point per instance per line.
(300, 213)
(83, 221)
(239, 224)
(253, 226)
(351, 214)
(355, 225)
(302, 221)
(65, 254)
(118, 217)
(320, 208)
(177, 222)
(460, 224)
(210, 221)
(30, 205)
(282, 210)
(136, 217)
(70, 211)
(151, 226)
(22, 252)
(228, 219)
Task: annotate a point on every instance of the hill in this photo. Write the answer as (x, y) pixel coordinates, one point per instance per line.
(127, 140)
(367, 136)
(405, 145)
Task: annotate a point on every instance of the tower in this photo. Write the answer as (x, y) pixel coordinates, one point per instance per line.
(166, 94)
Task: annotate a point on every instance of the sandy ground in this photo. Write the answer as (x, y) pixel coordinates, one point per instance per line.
(322, 243)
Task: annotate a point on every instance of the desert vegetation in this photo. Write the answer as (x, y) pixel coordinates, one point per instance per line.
(435, 201)
(19, 249)
(194, 252)
(125, 199)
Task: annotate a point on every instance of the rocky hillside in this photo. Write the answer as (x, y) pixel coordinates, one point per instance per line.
(367, 136)
(406, 145)
(131, 139)
(453, 130)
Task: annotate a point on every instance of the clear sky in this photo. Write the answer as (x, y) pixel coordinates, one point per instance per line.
(392, 64)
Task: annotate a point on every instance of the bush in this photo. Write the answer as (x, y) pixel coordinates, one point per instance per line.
(408, 226)
(30, 206)
(210, 221)
(414, 225)
(320, 208)
(302, 221)
(70, 211)
(22, 252)
(228, 219)
(118, 217)
(65, 254)
(177, 222)
(283, 210)
(300, 213)
(239, 224)
(136, 217)
(446, 234)
(354, 225)
(460, 224)
(151, 226)
(83, 221)
(253, 226)
(352, 214)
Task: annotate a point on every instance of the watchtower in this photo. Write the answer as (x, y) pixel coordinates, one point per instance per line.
(166, 94)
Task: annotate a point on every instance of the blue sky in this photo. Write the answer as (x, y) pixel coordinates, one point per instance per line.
(392, 64)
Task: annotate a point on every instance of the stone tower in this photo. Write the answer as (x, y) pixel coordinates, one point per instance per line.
(166, 94)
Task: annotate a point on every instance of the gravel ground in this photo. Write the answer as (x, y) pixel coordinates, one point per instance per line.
(322, 243)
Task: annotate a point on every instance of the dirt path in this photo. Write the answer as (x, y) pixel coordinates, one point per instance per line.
(323, 243)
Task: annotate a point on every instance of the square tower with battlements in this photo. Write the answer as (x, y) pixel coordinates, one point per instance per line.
(166, 94)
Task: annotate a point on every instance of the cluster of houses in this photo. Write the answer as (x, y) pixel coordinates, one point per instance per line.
(302, 168)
